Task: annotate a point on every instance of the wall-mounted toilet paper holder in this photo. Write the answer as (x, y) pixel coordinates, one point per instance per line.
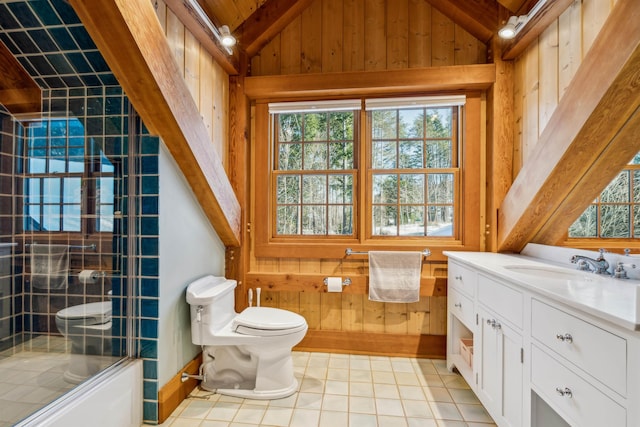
(345, 282)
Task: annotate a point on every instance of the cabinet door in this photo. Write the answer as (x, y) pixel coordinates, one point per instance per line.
(500, 372)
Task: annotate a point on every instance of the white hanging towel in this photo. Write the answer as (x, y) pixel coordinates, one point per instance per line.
(394, 276)
(49, 266)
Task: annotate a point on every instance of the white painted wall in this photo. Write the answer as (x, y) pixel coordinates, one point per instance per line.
(189, 249)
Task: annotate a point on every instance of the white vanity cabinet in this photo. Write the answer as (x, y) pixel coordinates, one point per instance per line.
(541, 359)
(501, 355)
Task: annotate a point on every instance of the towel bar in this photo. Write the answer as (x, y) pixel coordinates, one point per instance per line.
(350, 251)
(91, 246)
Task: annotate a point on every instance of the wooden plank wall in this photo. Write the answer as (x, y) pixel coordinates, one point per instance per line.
(545, 70)
(357, 35)
(207, 81)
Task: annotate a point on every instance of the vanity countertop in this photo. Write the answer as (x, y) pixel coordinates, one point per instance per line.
(613, 300)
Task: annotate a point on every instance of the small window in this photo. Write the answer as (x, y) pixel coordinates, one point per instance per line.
(615, 214)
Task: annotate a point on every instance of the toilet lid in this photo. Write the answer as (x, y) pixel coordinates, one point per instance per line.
(93, 313)
(268, 321)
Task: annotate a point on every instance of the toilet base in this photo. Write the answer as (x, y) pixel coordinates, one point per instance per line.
(260, 395)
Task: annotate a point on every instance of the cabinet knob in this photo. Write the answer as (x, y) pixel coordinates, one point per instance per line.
(458, 304)
(458, 277)
(494, 323)
(564, 392)
(564, 338)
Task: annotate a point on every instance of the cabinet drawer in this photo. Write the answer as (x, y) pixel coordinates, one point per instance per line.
(462, 278)
(600, 353)
(501, 299)
(583, 405)
(462, 308)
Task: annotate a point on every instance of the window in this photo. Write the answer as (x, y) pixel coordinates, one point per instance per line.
(616, 212)
(314, 172)
(63, 186)
(366, 173)
(414, 170)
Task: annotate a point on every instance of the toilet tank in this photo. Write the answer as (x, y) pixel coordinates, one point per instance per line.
(212, 305)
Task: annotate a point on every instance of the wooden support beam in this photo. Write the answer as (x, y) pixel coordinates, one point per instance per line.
(18, 92)
(500, 137)
(202, 33)
(478, 17)
(132, 42)
(589, 138)
(540, 22)
(362, 83)
(266, 22)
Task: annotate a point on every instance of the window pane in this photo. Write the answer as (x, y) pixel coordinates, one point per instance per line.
(290, 156)
(71, 218)
(412, 188)
(51, 190)
(315, 127)
(341, 155)
(72, 190)
(618, 190)
(314, 189)
(439, 122)
(383, 155)
(440, 221)
(287, 220)
(290, 127)
(32, 190)
(615, 221)
(105, 221)
(37, 161)
(586, 225)
(384, 124)
(341, 126)
(51, 217)
(314, 220)
(412, 221)
(76, 164)
(411, 123)
(440, 188)
(32, 218)
(315, 156)
(411, 156)
(288, 189)
(340, 189)
(636, 221)
(105, 190)
(340, 220)
(57, 163)
(384, 221)
(439, 154)
(385, 189)
(636, 186)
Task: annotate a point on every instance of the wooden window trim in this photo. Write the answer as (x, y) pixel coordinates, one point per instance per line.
(470, 216)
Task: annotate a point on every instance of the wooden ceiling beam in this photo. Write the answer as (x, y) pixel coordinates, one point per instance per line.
(18, 92)
(133, 43)
(266, 22)
(478, 17)
(360, 83)
(590, 137)
(540, 22)
(194, 23)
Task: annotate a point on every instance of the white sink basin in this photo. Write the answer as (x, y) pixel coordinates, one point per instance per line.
(548, 272)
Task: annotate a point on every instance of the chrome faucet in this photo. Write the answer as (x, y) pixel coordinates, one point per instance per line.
(599, 265)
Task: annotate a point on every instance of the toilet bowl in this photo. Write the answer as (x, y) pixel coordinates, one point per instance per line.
(245, 354)
(88, 327)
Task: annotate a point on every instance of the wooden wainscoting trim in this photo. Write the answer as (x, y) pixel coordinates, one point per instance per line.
(175, 391)
(424, 346)
(285, 282)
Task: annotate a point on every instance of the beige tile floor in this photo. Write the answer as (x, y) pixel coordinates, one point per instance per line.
(338, 390)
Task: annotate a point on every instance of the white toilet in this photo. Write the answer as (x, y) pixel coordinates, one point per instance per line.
(88, 326)
(245, 355)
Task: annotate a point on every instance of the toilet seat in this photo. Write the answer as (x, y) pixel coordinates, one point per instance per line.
(93, 313)
(267, 321)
